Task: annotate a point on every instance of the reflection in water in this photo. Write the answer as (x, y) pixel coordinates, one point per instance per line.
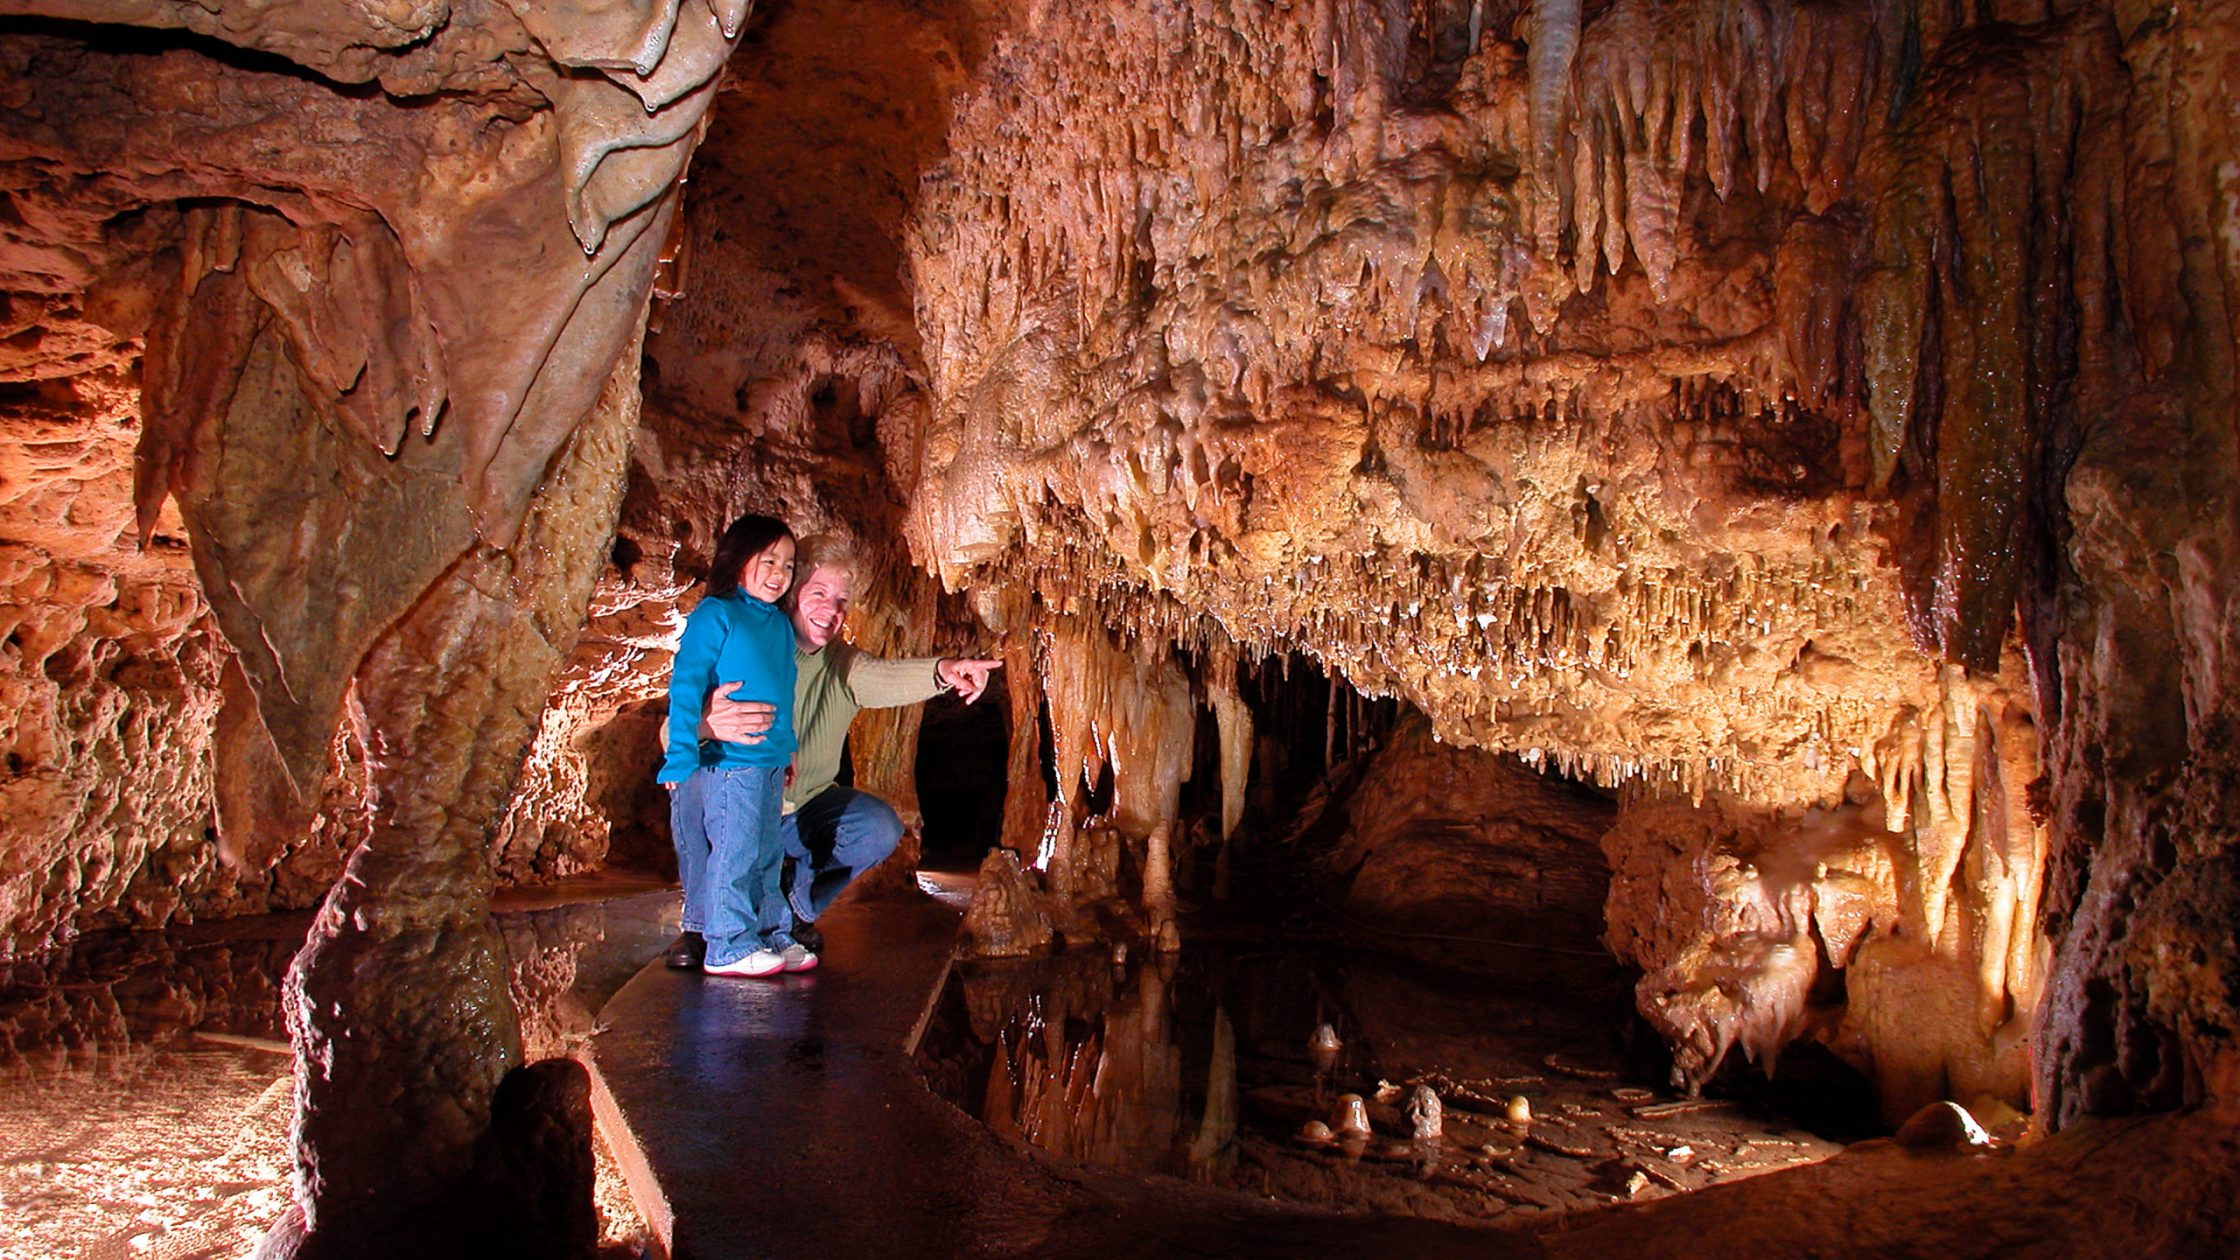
(1134, 1067)
(146, 1081)
(117, 995)
(1506, 1091)
(1095, 1040)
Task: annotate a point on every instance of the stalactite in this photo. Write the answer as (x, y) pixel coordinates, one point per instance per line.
(1923, 892)
(1130, 712)
(1233, 720)
(1330, 729)
(1555, 40)
(1806, 289)
(1970, 306)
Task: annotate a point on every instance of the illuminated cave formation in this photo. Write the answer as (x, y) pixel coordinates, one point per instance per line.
(1809, 424)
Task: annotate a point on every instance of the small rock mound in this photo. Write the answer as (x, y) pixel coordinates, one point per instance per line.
(1009, 916)
(1942, 1126)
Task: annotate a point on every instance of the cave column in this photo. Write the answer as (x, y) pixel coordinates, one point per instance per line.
(1026, 803)
(398, 1004)
(1158, 889)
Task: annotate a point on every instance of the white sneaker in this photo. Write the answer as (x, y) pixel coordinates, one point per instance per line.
(799, 958)
(762, 962)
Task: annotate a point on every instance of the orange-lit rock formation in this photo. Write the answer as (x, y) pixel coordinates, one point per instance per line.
(386, 276)
(1814, 422)
(1460, 853)
(1720, 400)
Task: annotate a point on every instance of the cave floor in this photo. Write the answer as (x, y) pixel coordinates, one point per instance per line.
(145, 1077)
(144, 1106)
(788, 1117)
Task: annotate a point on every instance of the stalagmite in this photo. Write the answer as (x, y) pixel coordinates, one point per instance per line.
(1426, 1115)
(1352, 1118)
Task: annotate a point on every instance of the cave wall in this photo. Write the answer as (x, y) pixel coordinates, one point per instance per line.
(119, 691)
(2142, 995)
(383, 277)
(1455, 854)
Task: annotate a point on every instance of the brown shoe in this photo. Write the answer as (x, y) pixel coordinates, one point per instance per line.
(806, 935)
(686, 953)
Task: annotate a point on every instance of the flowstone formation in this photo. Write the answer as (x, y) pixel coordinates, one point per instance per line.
(1747, 406)
(1924, 893)
(386, 275)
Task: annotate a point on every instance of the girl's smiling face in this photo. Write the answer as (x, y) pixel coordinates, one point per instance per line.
(768, 572)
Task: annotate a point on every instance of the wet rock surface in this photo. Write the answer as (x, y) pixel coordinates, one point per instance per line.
(1940, 1127)
(146, 1090)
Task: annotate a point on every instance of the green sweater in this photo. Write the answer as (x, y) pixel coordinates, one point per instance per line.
(830, 685)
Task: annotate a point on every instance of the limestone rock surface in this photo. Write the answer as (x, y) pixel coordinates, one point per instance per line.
(1730, 401)
(1453, 849)
(1814, 423)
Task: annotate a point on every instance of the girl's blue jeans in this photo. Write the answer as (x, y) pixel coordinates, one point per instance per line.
(724, 820)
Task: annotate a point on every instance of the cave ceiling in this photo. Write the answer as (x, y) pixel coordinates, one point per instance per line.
(1574, 395)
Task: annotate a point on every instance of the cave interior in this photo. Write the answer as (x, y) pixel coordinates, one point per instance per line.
(1724, 510)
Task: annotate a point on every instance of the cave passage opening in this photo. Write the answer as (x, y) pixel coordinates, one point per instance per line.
(962, 774)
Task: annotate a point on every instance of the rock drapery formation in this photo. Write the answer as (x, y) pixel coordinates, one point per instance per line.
(1924, 894)
(390, 271)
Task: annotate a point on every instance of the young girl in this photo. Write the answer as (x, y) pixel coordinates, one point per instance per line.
(725, 797)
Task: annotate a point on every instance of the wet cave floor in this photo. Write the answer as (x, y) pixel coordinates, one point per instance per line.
(1146, 1108)
(1199, 1066)
(794, 1117)
(145, 1077)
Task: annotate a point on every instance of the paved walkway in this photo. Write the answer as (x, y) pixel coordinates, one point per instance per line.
(785, 1119)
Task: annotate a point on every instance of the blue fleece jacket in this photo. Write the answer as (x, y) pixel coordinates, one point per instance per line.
(730, 638)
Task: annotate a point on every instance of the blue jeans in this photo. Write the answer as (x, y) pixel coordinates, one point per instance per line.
(835, 836)
(725, 825)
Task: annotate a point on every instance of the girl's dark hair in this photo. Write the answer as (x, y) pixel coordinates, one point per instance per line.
(745, 540)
